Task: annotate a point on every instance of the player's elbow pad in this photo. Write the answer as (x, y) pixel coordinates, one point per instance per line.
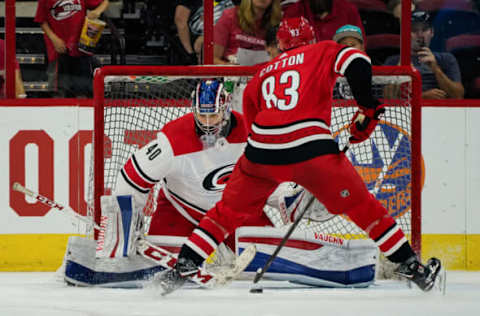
(359, 77)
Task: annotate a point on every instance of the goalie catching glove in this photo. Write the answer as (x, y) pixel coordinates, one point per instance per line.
(289, 200)
(364, 123)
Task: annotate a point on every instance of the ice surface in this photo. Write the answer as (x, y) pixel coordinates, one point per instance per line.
(40, 294)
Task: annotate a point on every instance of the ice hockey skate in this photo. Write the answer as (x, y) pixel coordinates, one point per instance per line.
(175, 278)
(424, 276)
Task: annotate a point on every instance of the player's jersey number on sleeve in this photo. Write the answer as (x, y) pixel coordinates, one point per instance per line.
(153, 151)
(289, 81)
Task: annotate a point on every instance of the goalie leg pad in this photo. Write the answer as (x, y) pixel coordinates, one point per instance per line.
(121, 226)
(311, 258)
(82, 268)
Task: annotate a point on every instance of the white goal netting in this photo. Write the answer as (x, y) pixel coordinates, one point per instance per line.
(135, 108)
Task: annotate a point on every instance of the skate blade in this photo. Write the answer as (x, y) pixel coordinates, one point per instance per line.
(440, 285)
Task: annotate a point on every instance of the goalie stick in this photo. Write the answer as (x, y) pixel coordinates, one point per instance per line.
(157, 254)
(43, 199)
(203, 277)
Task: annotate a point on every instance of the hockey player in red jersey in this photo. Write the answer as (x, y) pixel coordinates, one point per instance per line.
(191, 160)
(287, 106)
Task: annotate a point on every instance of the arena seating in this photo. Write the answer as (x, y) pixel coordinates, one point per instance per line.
(466, 48)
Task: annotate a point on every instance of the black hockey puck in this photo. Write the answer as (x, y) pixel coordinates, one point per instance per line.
(256, 290)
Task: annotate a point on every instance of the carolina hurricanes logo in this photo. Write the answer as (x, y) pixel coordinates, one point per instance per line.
(63, 9)
(386, 172)
(217, 179)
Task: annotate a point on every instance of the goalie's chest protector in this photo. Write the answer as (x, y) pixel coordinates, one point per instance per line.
(197, 176)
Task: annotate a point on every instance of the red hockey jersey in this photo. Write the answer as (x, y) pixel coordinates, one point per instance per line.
(288, 103)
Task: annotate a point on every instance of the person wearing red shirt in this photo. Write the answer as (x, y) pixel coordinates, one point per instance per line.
(287, 108)
(241, 30)
(62, 22)
(326, 16)
(19, 88)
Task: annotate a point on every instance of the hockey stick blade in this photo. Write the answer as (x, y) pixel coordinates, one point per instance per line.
(261, 271)
(241, 263)
(59, 207)
(203, 277)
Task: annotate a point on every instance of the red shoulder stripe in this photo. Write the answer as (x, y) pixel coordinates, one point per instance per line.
(345, 57)
(136, 177)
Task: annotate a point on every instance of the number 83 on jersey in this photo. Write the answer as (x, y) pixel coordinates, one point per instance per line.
(288, 81)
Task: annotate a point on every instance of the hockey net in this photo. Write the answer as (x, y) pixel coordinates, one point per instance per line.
(133, 103)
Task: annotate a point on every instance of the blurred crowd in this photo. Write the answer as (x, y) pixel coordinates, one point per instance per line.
(445, 36)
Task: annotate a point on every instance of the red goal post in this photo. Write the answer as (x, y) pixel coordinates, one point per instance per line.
(133, 102)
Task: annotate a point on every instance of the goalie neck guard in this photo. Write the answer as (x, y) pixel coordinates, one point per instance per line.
(295, 32)
(211, 106)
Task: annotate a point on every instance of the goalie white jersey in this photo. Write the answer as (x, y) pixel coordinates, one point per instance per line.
(192, 177)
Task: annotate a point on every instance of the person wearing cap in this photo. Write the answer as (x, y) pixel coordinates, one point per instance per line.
(441, 78)
(350, 35)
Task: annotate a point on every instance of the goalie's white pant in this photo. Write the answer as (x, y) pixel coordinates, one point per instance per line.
(311, 258)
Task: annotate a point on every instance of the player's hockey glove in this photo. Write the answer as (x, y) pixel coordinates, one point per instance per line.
(364, 123)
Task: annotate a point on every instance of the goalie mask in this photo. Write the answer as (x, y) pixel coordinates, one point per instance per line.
(211, 106)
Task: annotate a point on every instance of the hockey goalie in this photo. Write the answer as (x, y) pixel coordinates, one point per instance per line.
(191, 160)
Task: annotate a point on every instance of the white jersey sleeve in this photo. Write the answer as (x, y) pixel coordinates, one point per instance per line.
(145, 168)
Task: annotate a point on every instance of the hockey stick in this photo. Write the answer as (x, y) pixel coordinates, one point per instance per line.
(261, 271)
(43, 199)
(154, 253)
(203, 277)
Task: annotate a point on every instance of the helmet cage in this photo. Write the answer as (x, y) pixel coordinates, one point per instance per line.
(210, 98)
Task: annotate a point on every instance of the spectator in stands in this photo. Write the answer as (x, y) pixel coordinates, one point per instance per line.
(350, 35)
(271, 42)
(69, 69)
(189, 23)
(19, 88)
(239, 34)
(395, 7)
(326, 16)
(440, 72)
